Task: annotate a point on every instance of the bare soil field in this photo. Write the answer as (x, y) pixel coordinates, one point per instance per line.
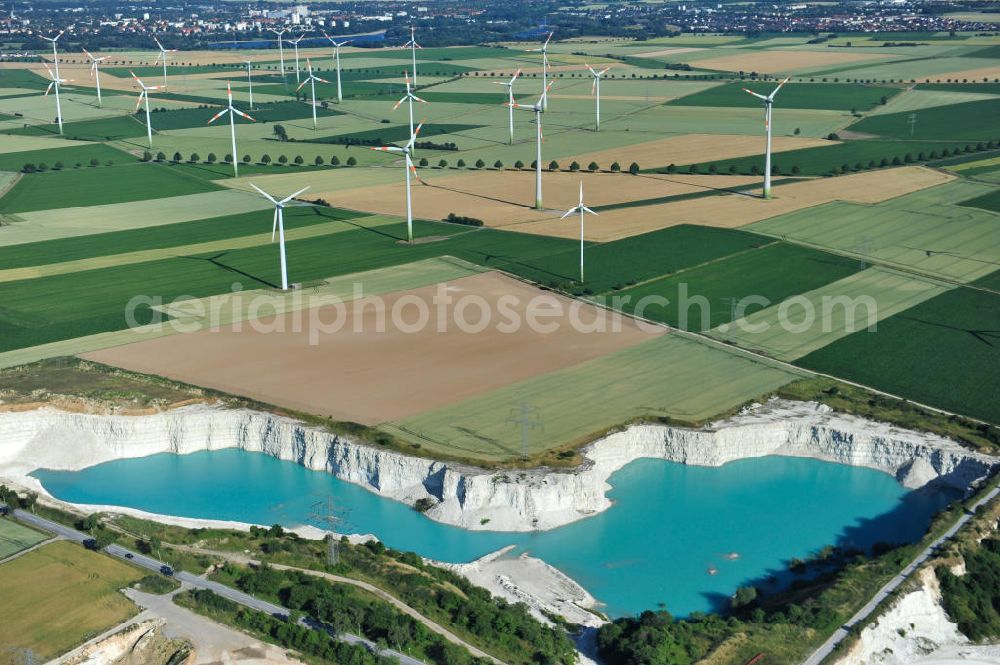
(668, 51)
(506, 198)
(992, 73)
(735, 210)
(783, 61)
(362, 375)
(693, 148)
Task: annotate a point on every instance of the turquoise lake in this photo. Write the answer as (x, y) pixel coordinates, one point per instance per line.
(669, 524)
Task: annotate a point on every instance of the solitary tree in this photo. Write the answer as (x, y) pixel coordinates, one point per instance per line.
(335, 161)
(280, 133)
(177, 158)
(211, 158)
(480, 163)
(351, 161)
(318, 161)
(266, 159)
(519, 164)
(592, 167)
(461, 164)
(633, 168)
(553, 165)
(574, 166)
(195, 157)
(423, 161)
(282, 159)
(298, 160)
(443, 164)
(498, 165)
(247, 159)
(615, 167)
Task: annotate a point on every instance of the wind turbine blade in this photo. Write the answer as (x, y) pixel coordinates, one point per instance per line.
(292, 196)
(49, 89)
(388, 148)
(217, 116)
(301, 84)
(264, 194)
(274, 226)
(396, 105)
(88, 54)
(590, 68)
(757, 95)
(514, 77)
(604, 71)
(593, 85)
(241, 113)
(586, 209)
(138, 102)
(422, 101)
(546, 45)
(414, 137)
(320, 80)
(771, 96)
(570, 212)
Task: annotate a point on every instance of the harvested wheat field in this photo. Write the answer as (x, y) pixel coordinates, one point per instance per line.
(506, 198)
(368, 373)
(735, 210)
(782, 61)
(692, 149)
(992, 73)
(668, 51)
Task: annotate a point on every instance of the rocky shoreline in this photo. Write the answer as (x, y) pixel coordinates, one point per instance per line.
(479, 499)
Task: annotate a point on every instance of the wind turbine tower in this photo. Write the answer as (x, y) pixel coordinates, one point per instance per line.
(95, 73)
(583, 210)
(54, 84)
(295, 43)
(336, 63)
(163, 57)
(538, 108)
(311, 79)
(413, 52)
(510, 101)
(768, 101)
(144, 96)
(407, 152)
(595, 89)
(279, 228)
(248, 62)
(233, 112)
(281, 49)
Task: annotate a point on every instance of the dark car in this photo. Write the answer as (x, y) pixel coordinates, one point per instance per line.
(129, 555)
(167, 570)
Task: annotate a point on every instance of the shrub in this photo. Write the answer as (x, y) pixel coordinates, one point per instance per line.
(616, 167)
(423, 162)
(351, 161)
(459, 219)
(29, 168)
(832, 136)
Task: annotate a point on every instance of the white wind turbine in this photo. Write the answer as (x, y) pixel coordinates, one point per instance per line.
(413, 52)
(538, 108)
(233, 112)
(409, 98)
(55, 54)
(510, 100)
(595, 88)
(95, 73)
(295, 43)
(281, 49)
(163, 57)
(279, 228)
(144, 95)
(55, 82)
(768, 101)
(248, 62)
(407, 152)
(311, 79)
(582, 209)
(545, 64)
(336, 62)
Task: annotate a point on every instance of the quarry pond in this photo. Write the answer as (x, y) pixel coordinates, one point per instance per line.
(679, 537)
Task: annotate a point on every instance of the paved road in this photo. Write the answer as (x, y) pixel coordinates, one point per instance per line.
(861, 615)
(232, 594)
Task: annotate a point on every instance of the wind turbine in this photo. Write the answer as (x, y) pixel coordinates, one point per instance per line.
(233, 112)
(413, 52)
(95, 73)
(295, 43)
(55, 54)
(582, 209)
(510, 100)
(281, 48)
(545, 64)
(336, 59)
(768, 100)
(595, 88)
(538, 108)
(409, 98)
(163, 57)
(407, 152)
(279, 227)
(312, 81)
(249, 80)
(55, 83)
(144, 95)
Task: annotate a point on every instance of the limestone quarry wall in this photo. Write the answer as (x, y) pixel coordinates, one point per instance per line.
(518, 500)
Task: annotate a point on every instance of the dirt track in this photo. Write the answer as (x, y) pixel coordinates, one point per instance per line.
(370, 377)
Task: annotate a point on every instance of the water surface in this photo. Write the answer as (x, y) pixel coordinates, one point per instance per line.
(670, 523)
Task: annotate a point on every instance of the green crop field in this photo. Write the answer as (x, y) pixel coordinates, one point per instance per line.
(942, 352)
(199, 117)
(855, 155)
(924, 231)
(989, 201)
(393, 134)
(987, 88)
(15, 537)
(821, 316)
(670, 376)
(971, 121)
(836, 96)
(97, 186)
(61, 595)
(701, 298)
(100, 129)
(69, 156)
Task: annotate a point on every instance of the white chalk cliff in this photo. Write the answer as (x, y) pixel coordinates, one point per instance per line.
(465, 496)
